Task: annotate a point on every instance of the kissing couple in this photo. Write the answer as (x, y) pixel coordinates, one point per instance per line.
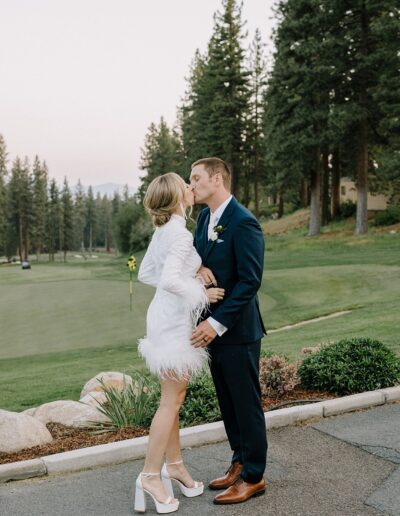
(205, 310)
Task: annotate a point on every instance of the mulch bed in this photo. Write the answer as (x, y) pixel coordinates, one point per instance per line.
(69, 438)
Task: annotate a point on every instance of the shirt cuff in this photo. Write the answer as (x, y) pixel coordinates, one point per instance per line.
(218, 327)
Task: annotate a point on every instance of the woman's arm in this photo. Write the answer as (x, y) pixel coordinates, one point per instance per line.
(147, 269)
(188, 288)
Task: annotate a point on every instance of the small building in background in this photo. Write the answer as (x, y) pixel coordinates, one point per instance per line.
(348, 192)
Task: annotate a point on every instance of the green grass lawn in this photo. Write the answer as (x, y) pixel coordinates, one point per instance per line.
(60, 324)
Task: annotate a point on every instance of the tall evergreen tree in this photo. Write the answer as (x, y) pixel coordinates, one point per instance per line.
(217, 102)
(39, 205)
(79, 216)
(20, 205)
(254, 153)
(67, 223)
(160, 154)
(3, 197)
(53, 220)
(91, 218)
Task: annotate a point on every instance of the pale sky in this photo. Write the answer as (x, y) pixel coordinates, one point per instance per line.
(81, 80)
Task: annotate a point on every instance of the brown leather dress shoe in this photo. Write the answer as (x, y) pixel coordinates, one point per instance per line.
(240, 492)
(228, 479)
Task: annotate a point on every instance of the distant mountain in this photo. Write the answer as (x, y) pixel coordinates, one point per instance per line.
(107, 189)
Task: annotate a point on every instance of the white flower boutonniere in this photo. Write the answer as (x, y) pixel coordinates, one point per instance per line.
(217, 230)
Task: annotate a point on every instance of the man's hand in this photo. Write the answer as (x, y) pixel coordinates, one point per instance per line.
(203, 335)
(206, 276)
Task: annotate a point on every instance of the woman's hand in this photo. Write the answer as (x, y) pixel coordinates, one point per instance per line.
(215, 294)
(206, 276)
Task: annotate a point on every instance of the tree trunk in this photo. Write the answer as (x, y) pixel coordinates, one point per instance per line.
(256, 194)
(246, 191)
(303, 193)
(21, 240)
(335, 182)
(315, 201)
(90, 239)
(326, 215)
(281, 205)
(362, 181)
(362, 156)
(107, 239)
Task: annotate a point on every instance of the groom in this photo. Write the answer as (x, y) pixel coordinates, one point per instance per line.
(231, 244)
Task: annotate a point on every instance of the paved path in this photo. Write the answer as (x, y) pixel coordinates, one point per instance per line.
(342, 466)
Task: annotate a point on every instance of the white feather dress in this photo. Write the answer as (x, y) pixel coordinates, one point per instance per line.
(170, 264)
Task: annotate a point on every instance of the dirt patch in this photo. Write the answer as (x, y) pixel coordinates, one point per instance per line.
(69, 438)
(297, 220)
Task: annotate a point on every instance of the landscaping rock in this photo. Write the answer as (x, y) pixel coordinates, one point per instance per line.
(68, 413)
(94, 398)
(29, 411)
(19, 431)
(110, 379)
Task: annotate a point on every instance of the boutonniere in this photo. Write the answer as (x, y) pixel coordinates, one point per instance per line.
(217, 230)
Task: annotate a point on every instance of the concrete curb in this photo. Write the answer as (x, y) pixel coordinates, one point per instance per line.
(131, 449)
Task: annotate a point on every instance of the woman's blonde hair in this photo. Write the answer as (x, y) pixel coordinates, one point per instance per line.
(164, 194)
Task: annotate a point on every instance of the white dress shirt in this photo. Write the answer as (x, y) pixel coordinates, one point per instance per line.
(214, 218)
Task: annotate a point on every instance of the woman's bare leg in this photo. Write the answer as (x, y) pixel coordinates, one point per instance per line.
(174, 454)
(172, 396)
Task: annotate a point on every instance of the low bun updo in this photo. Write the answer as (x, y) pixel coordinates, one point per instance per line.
(163, 196)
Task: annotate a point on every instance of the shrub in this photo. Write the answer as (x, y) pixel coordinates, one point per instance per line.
(388, 217)
(350, 366)
(277, 376)
(346, 209)
(201, 404)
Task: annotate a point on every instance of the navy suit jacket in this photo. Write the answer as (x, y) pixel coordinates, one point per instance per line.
(237, 261)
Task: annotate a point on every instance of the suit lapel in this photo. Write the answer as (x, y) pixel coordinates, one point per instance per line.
(223, 221)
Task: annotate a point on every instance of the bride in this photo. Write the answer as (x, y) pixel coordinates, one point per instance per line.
(170, 265)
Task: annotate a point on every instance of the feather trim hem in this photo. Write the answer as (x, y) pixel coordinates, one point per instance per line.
(183, 363)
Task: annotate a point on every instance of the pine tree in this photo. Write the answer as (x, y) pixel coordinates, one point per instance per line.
(67, 224)
(106, 222)
(20, 205)
(161, 154)
(79, 217)
(39, 205)
(193, 114)
(3, 196)
(91, 218)
(53, 220)
(254, 162)
(216, 106)
(298, 98)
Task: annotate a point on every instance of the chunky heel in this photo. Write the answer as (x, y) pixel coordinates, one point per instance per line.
(140, 498)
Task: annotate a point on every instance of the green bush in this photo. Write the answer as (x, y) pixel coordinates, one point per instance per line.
(350, 366)
(201, 404)
(388, 217)
(346, 209)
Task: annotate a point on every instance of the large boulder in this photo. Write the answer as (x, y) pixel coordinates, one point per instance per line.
(20, 431)
(109, 378)
(94, 398)
(68, 413)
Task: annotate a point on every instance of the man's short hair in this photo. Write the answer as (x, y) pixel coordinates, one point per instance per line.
(216, 166)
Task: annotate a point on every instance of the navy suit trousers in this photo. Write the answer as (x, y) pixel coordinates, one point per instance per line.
(235, 371)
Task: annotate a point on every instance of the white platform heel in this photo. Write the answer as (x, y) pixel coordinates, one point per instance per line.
(140, 498)
(190, 492)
